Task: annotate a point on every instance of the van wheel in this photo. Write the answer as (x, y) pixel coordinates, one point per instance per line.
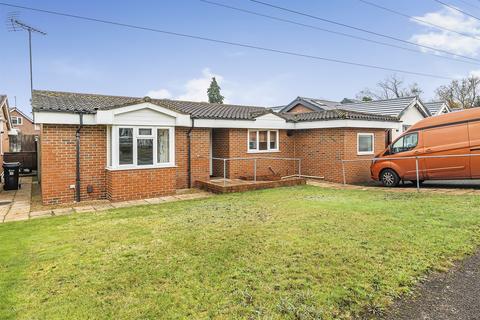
(389, 178)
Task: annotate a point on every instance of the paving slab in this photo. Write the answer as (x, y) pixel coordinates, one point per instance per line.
(63, 211)
(155, 200)
(84, 209)
(103, 207)
(40, 213)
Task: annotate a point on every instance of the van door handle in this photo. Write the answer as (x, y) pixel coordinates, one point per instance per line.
(428, 150)
(416, 152)
(475, 149)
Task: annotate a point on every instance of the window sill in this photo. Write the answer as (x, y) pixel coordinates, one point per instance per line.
(141, 167)
(262, 151)
(365, 153)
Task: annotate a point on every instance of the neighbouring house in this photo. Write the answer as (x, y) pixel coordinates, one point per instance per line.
(7, 131)
(408, 110)
(437, 107)
(27, 131)
(133, 148)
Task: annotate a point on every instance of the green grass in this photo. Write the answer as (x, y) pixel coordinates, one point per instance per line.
(295, 253)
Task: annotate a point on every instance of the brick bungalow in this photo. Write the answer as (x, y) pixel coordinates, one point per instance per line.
(133, 148)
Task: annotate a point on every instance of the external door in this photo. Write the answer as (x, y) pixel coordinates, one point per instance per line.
(474, 133)
(447, 140)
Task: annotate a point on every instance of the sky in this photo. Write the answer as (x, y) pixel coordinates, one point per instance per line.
(82, 56)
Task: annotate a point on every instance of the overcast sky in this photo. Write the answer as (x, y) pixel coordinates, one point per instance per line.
(89, 57)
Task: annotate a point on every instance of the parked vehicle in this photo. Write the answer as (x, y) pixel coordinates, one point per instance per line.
(456, 133)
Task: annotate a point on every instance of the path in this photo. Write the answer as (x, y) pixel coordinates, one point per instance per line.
(451, 295)
(15, 205)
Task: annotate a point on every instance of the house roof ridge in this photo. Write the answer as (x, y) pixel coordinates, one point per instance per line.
(381, 100)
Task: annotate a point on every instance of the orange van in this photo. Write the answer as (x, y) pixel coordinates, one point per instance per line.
(455, 133)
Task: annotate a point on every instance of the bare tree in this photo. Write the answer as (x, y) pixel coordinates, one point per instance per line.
(389, 88)
(462, 93)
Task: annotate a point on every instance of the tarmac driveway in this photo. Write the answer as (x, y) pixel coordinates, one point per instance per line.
(451, 295)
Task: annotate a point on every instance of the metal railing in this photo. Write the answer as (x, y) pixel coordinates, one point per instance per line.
(254, 159)
(417, 171)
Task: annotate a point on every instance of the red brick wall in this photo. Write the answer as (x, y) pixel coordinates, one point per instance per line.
(360, 171)
(200, 155)
(59, 162)
(136, 184)
(232, 143)
(300, 108)
(322, 149)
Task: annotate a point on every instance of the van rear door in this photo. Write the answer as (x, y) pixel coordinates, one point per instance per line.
(474, 132)
(447, 140)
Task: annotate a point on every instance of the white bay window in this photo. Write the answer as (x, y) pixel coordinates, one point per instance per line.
(133, 147)
(262, 141)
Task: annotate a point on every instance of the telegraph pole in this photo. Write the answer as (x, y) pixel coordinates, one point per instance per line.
(16, 25)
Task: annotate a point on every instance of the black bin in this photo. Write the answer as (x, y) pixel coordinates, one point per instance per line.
(11, 172)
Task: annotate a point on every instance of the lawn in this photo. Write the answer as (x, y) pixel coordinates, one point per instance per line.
(294, 253)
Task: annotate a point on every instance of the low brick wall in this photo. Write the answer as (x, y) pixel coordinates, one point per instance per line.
(216, 188)
(123, 185)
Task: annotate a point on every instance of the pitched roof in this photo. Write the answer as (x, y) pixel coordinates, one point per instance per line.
(5, 112)
(335, 114)
(21, 113)
(312, 103)
(70, 102)
(55, 101)
(390, 107)
(435, 106)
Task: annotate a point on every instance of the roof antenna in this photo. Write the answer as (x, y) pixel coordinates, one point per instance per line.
(13, 25)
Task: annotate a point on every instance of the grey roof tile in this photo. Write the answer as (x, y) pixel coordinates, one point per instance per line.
(335, 114)
(56, 101)
(434, 106)
(90, 103)
(390, 107)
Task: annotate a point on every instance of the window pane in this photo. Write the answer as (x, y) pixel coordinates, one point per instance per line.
(405, 143)
(252, 140)
(411, 141)
(125, 146)
(273, 139)
(262, 140)
(163, 146)
(144, 132)
(144, 151)
(365, 143)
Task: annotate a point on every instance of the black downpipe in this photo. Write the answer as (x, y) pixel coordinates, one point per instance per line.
(77, 181)
(189, 153)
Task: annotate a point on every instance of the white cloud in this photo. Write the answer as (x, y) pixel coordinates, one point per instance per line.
(159, 94)
(194, 89)
(445, 40)
(474, 73)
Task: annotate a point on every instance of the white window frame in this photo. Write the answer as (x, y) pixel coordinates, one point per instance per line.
(18, 120)
(113, 146)
(277, 149)
(362, 153)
